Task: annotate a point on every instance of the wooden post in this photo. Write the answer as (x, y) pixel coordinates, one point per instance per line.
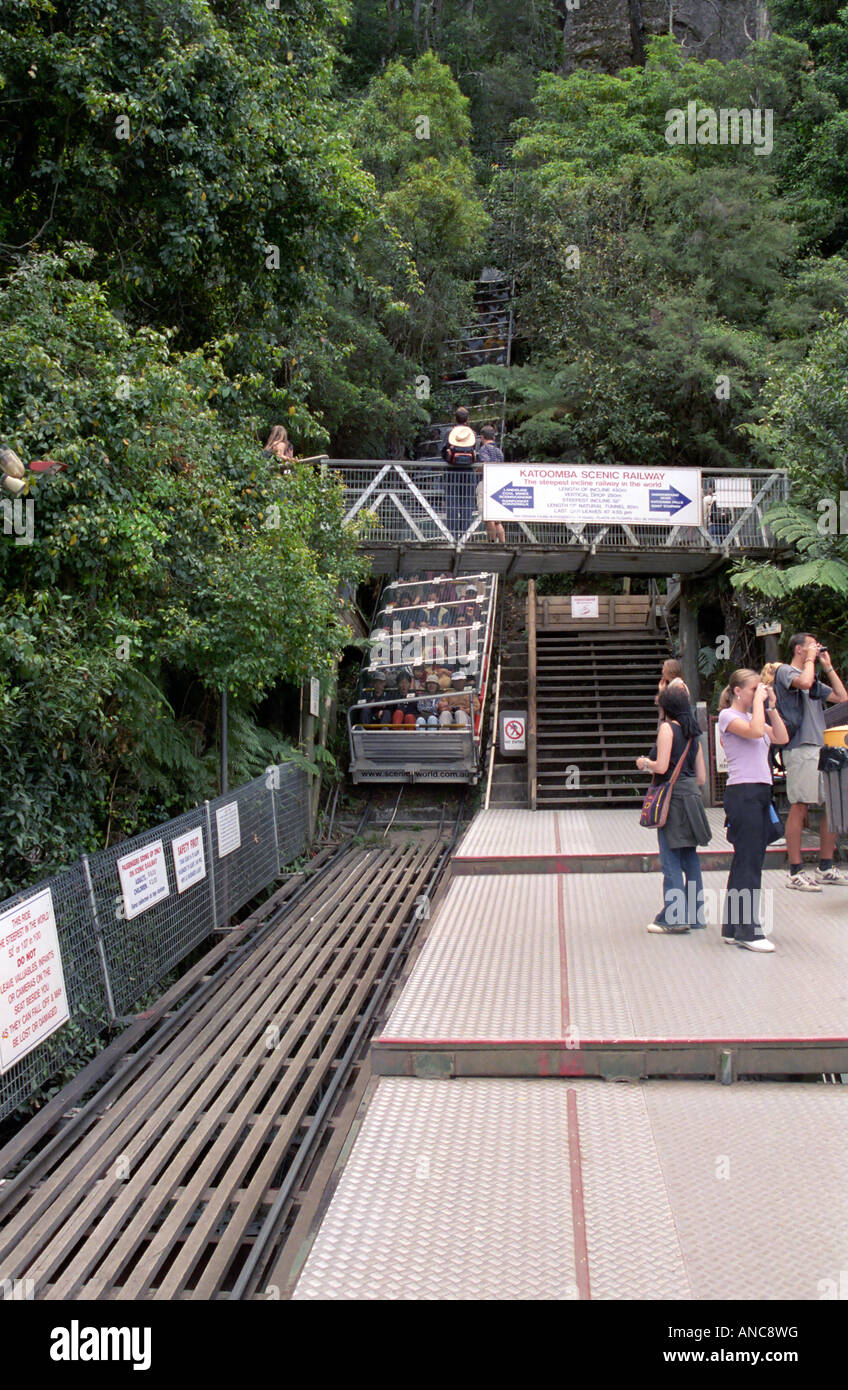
(689, 642)
(531, 694)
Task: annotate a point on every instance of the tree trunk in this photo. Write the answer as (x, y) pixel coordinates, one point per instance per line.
(637, 32)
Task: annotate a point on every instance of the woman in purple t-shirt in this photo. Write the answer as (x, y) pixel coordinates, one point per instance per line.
(748, 725)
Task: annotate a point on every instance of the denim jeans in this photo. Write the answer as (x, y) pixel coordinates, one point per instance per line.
(683, 906)
(746, 806)
(459, 496)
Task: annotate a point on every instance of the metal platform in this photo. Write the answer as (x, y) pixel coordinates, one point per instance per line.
(579, 841)
(511, 1189)
(555, 975)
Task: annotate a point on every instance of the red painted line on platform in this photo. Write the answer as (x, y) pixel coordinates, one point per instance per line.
(557, 840)
(578, 1210)
(589, 1043)
(564, 1016)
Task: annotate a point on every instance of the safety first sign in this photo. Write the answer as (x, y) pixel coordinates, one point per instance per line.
(33, 1001)
(585, 494)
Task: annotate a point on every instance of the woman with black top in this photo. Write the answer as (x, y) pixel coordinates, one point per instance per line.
(686, 825)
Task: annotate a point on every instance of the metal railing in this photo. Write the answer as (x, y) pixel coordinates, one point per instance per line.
(109, 958)
(408, 501)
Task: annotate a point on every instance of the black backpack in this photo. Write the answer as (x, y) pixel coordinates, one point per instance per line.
(790, 704)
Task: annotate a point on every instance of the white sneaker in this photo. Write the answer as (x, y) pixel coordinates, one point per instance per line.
(831, 875)
(803, 883)
(760, 943)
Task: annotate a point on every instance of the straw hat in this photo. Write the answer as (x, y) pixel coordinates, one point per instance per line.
(461, 437)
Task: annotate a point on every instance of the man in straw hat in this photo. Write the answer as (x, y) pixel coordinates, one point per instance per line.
(459, 452)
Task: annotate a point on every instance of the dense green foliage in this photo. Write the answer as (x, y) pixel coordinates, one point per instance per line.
(217, 216)
(169, 560)
(607, 207)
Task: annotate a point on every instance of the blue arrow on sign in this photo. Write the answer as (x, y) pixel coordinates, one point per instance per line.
(513, 497)
(668, 500)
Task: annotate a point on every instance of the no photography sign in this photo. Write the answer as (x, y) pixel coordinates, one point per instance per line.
(591, 493)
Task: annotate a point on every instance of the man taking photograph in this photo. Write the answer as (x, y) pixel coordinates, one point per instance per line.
(801, 699)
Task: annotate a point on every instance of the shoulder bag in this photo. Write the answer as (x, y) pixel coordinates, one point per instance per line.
(658, 797)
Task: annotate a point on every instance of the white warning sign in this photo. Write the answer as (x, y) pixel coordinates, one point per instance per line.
(229, 829)
(189, 859)
(582, 606)
(514, 733)
(33, 1002)
(144, 878)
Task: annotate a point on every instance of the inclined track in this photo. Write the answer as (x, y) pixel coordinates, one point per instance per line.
(160, 1185)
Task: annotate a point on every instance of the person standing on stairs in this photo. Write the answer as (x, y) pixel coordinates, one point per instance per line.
(748, 723)
(489, 453)
(459, 452)
(686, 826)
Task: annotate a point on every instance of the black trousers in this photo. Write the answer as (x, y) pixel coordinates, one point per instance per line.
(748, 826)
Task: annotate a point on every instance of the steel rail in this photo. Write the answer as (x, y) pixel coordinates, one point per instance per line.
(128, 1122)
(272, 1221)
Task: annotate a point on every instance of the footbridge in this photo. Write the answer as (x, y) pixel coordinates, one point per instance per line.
(401, 508)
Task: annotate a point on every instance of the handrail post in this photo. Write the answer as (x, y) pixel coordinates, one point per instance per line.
(531, 694)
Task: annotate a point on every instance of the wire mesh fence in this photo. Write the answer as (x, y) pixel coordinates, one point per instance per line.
(126, 916)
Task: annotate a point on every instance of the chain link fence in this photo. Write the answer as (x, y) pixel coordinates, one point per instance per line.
(128, 915)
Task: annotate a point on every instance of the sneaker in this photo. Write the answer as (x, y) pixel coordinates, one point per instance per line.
(832, 875)
(803, 883)
(729, 940)
(760, 943)
(666, 931)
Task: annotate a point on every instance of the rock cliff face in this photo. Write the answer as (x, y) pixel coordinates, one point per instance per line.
(611, 34)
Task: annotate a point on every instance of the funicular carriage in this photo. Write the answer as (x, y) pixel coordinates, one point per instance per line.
(418, 713)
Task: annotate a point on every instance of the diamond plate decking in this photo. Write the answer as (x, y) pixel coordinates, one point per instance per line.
(501, 1189)
(556, 975)
(575, 841)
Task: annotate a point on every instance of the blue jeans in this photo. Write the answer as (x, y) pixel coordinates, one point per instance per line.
(683, 906)
(459, 496)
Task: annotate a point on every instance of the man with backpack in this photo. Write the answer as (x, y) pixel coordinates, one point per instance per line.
(459, 452)
(801, 700)
(489, 453)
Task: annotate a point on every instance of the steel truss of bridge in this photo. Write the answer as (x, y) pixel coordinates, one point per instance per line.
(402, 507)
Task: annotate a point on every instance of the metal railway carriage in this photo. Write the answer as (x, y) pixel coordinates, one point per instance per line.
(436, 628)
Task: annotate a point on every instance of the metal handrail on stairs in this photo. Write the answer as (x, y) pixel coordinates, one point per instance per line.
(532, 730)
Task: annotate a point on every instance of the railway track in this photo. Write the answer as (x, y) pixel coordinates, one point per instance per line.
(180, 1177)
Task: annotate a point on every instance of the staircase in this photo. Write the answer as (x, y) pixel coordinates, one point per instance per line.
(509, 775)
(485, 340)
(595, 714)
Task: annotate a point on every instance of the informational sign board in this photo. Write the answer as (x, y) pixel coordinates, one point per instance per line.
(591, 493)
(229, 829)
(582, 606)
(720, 755)
(513, 731)
(189, 859)
(144, 878)
(314, 695)
(33, 1002)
